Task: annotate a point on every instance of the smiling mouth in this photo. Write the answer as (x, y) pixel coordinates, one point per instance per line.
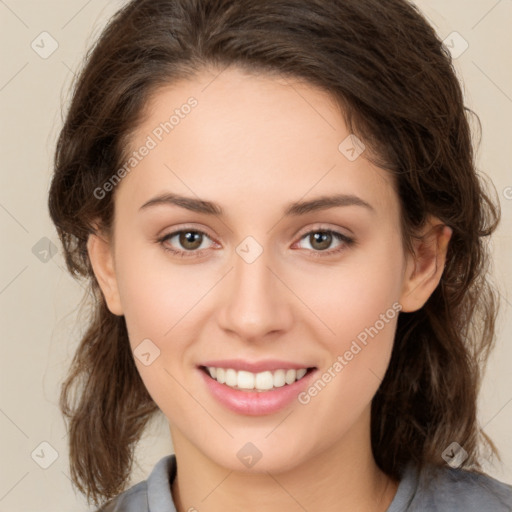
(258, 382)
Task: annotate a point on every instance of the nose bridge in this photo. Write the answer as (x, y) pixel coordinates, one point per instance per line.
(256, 301)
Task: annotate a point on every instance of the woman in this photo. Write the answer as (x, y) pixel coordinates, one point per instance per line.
(277, 209)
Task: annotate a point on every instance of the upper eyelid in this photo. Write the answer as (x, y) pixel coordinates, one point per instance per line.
(323, 227)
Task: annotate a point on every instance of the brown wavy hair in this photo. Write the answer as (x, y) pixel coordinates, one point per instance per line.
(396, 86)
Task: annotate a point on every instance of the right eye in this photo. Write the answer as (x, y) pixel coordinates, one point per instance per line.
(190, 240)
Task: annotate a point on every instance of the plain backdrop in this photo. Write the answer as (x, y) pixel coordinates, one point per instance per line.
(39, 300)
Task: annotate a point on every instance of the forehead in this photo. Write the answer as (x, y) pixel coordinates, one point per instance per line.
(249, 140)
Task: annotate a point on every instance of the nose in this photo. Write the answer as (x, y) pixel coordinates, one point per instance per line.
(256, 303)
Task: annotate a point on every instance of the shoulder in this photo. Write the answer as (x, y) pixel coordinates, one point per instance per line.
(133, 499)
(449, 489)
(472, 491)
(151, 494)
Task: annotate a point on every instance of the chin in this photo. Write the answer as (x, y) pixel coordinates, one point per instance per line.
(257, 457)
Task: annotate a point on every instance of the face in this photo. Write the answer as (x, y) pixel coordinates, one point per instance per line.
(264, 289)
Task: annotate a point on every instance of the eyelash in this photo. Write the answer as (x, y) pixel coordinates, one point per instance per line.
(347, 242)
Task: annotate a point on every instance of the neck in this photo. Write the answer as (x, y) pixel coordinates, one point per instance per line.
(341, 478)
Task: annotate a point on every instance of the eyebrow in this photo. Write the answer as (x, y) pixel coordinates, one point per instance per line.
(293, 209)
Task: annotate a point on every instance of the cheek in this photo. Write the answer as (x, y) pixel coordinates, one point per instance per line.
(155, 293)
(161, 304)
(358, 358)
(354, 294)
(158, 302)
(360, 308)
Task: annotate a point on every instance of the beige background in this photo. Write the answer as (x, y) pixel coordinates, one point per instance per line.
(39, 300)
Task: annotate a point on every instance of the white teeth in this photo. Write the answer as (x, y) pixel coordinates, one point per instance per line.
(221, 375)
(245, 380)
(231, 378)
(291, 376)
(262, 381)
(301, 373)
(279, 378)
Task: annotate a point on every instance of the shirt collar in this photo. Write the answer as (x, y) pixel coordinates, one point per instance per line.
(159, 485)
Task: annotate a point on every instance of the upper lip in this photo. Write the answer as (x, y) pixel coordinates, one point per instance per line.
(255, 366)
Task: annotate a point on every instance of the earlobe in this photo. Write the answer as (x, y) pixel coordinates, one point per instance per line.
(101, 257)
(425, 267)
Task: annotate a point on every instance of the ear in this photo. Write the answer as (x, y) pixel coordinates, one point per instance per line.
(100, 250)
(425, 267)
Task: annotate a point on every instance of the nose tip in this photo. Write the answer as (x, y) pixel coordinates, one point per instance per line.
(255, 302)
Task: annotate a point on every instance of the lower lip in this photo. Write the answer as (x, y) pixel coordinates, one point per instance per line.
(256, 403)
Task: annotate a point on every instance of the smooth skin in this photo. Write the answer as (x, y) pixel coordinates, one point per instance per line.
(253, 145)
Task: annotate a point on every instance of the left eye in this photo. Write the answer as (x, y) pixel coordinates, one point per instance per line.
(320, 240)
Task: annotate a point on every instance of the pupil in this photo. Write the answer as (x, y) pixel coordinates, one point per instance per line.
(189, 239)
(323, 238)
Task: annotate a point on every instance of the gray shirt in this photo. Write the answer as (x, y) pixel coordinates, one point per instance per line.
(433, 489)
